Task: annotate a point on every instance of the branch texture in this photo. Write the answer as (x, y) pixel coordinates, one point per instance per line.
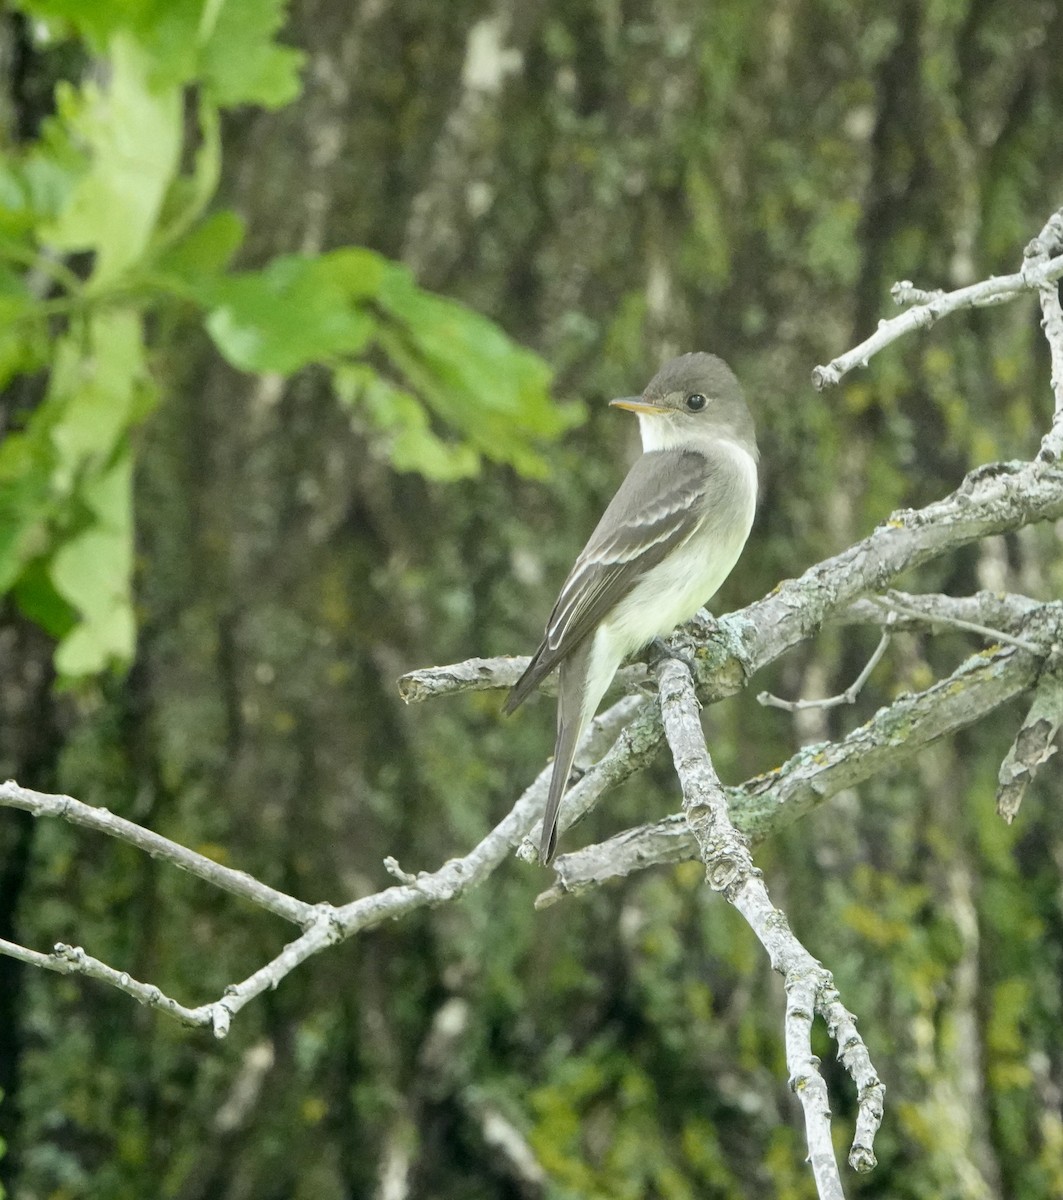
(809, 987)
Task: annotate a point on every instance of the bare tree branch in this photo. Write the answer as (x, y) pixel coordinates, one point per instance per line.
(999, 610)
(770, 802)
(930, 307)
(996, 612)
(895, 607)
(809, 987)
(101, 820)
(489, 674)
(1050, 241)
(1033, 745)
(72, 960)
(326, 925)
(473, 675)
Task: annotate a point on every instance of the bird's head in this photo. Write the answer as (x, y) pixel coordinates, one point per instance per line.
(692, 398)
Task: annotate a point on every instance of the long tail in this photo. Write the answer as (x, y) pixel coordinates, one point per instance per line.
(568, 736)
(571, 719)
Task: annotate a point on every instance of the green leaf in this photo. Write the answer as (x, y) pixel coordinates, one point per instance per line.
(471, 374)
(60, 470)
(36, 186)
(92, 572)
(191, 265)
(189, 195)
(25, 471)
(240, 62)
(23, 348)
(400, 428)
(296, 311)
(15, 300)
(108, 639)
(38, 600)
(23, 337)
(133, 133)
(227, 45)
(94, 392)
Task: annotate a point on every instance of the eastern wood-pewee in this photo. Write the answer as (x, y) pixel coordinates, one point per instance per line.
(668, 539)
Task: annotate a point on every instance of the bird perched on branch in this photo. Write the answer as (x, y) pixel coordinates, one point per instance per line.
(665, 544)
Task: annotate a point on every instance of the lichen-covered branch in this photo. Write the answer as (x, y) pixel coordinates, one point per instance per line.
(472, 675)
(767, 803)
(72, 960)
(929, 307)
(997, 611)
(944, 614)
(816, 773)
(1033, 746)
(928, 612)
(809, 987)
(324, 924)
(1050, 241)
(101, 820)
(992, 499)
(490, 674)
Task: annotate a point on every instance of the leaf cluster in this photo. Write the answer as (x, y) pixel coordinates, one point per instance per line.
(107, 220)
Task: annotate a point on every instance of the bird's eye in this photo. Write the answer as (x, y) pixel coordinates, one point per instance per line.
(696, 402)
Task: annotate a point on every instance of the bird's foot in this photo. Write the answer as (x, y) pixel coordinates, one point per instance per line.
(658, 650)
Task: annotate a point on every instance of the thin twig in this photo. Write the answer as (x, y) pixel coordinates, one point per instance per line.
(1010, 612)
(851, 692)
(994, 635)
(995, 290)
(102, 820)
(72, 960)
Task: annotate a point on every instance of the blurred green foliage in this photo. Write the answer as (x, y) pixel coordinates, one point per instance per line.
(122, 177)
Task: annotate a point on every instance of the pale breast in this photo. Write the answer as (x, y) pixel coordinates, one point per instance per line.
(677, 587)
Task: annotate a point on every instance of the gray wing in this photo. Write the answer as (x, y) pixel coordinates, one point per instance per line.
(655, 509)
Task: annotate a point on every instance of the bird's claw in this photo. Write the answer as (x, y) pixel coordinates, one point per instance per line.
(658, 650)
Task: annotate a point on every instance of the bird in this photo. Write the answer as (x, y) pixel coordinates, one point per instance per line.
(666, 542)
